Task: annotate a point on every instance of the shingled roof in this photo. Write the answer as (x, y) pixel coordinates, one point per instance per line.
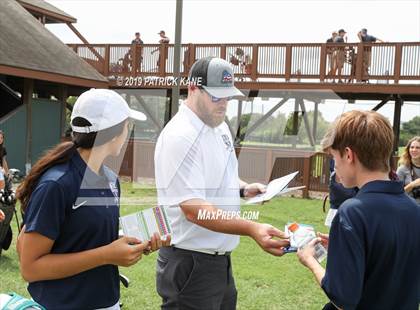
(52, 13)
(28, 49)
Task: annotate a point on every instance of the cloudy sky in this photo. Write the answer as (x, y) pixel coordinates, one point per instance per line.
(216, 21)
(247, 21)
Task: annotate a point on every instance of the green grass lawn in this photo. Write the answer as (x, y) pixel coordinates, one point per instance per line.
(263, 281)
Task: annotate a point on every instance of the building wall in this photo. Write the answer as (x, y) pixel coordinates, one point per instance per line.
(46, 118)
(14, 129)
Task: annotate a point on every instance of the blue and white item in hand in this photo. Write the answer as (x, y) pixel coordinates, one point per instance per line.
(301, 235)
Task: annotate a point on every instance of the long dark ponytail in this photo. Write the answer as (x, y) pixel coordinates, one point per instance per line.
(62, 153)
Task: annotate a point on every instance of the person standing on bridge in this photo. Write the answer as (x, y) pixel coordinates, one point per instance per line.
(339, 54)
(138, 44)
(163, 37)
(164, 40)
(196, 172)
(137, 39)
(330, 51)
(367, 52)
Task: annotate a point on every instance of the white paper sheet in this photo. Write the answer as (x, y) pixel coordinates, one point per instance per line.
(276, 187)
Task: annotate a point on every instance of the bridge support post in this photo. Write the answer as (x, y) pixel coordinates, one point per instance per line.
(62, 97)
(295, 124)
(306, 121)
(28, 89)
(148, 112)
(260, 120)
(239, 123)
(168, 106)
(315, 123)
(397, 121)
(382, 103)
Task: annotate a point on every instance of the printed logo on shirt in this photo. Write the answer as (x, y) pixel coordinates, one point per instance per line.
(74, 207)
(114, 190)
(227, 142)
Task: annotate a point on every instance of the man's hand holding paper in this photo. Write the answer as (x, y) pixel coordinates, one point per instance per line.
(274, 188)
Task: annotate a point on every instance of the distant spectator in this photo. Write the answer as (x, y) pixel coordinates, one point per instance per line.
(367, 53)
(330, 51)
(137, 39)
(409, 170)
(341, 37)
(2, 180)
(163, 40)
(163, 37)
(2, 157)
(242, 60)
(365, 37)
(3, 153)
(339, 54)
(333, 35)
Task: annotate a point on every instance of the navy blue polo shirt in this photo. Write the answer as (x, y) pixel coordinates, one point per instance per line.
(368, 38)
(374, 250)
(79, 210)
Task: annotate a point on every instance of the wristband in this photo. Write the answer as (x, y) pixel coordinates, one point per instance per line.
(242, 192)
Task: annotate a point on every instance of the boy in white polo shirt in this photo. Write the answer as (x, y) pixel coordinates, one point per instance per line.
(196, 173)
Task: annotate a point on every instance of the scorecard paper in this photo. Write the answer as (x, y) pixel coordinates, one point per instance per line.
(274, 188)
(142, 225)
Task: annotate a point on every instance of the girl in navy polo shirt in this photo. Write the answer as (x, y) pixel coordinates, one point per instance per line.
(69, 249)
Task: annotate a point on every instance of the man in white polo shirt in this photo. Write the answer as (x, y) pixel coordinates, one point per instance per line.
(196, 172)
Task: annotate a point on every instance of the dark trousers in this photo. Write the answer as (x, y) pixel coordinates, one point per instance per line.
(192, 280)
(329, 306)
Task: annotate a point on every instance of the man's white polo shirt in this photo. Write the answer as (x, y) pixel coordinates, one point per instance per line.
(193, 160)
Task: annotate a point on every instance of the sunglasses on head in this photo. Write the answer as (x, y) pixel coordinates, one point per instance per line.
(215, 99)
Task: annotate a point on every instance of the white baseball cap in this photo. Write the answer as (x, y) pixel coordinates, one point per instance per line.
(103, 108)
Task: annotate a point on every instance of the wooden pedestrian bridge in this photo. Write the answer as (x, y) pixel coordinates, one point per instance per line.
(394, 67)
(287, 71)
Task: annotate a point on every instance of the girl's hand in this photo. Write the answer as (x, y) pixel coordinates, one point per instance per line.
(125, 251)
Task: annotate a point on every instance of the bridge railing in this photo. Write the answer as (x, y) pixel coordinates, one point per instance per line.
(289, 62)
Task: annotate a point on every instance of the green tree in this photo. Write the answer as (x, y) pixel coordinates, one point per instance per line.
(303, 138)
(270, 131)
(69, 107)
(409, 129)
(279, 129)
